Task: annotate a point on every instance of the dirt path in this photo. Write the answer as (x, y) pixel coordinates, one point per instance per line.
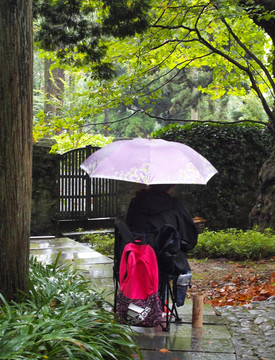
(225, 282)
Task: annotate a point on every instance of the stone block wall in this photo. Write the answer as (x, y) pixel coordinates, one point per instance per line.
(45, 196)
(126, 191)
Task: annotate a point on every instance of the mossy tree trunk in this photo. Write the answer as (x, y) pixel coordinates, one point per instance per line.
(263, 213)
(54, 89)
(16, 143)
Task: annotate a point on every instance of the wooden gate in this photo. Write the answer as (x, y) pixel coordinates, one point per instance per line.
(81, 197)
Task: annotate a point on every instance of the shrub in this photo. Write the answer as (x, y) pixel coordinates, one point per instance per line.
(61, 318)
(235, 244)
(238, 153)
(103, 243)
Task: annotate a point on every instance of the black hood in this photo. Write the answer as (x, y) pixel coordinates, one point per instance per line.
(150, 202)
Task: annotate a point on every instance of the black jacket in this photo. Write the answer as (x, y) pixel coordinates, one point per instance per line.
(150, 210)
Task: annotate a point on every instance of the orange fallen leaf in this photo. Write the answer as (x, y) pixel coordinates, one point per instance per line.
(240, 265)
(164, 351)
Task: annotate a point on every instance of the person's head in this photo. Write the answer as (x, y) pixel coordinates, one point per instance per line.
(162, 187)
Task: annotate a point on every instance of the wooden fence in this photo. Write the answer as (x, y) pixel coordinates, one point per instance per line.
(81, 197)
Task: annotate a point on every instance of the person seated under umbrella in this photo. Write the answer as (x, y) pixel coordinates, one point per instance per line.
(154, 207)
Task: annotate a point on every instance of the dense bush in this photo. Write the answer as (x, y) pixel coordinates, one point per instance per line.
(61, 318)
(104, 244)
(237, 152)
(235, 244)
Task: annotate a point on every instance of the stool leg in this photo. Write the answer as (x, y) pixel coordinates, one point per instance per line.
(174, 310)
(168, 316)
(168, 294)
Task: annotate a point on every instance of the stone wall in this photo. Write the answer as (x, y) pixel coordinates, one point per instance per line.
(45, 196)
(126, 191)
(45, 201)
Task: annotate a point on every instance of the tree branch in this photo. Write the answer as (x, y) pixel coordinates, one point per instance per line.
(204, 121)
(238, 65)
(175, 120)
(174, 76)
(251, 54)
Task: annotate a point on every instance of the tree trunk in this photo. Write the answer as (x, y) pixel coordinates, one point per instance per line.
(49, 108)
(106, 122)
(54, 89)
(16, 143)
(194, 114)
(263, 213)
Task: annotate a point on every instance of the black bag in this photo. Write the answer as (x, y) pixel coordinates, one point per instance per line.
(171, 259)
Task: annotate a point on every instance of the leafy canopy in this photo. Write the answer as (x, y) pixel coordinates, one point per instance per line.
(145, 44)
(195, 33)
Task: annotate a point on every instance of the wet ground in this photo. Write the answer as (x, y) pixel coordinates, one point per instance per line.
(211, 342)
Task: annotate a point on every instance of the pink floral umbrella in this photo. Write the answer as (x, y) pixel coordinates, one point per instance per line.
(149, 161)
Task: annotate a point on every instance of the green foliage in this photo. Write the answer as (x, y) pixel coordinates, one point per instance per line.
(76, 30)
(197, 35)
(237, 152)
(125, 18)
(103, 244)
(71, 109)
(69, 28)
(234, 244)
(251, 108)
(61, 318)
(66, 141)
(168, 39)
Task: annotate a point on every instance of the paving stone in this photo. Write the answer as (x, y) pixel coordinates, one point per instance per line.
(184, 355)
(182, 337)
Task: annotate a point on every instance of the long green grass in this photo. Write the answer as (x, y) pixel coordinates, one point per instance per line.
(62, 318)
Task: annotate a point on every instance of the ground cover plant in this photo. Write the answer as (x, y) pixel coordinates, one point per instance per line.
(235, 244)
(102, 243)
(61, 318)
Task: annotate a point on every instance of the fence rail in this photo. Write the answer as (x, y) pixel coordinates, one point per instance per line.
(81, 197)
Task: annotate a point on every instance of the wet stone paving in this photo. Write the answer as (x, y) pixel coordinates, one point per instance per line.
(252, 329)
(228, 333)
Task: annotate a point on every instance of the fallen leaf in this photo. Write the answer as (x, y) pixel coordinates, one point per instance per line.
(164, 351)
(228, 277)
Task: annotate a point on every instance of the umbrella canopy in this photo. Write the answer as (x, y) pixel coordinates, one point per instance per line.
(149, 161)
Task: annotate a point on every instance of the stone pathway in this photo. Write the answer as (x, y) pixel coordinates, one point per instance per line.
(253, 329)
(211, 342)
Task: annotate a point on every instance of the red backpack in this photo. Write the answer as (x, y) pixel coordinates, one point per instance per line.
(138, 273)
(138, 302)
